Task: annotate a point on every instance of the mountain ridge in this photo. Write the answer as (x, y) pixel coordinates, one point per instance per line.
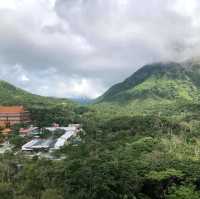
(12, 95)
(170, 72)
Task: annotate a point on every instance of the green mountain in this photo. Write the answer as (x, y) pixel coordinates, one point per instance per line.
(11, 95)
(125, 151)
(158, 81)
(155, 88)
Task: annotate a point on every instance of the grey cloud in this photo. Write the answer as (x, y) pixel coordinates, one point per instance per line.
(130, 32)
(111, 24)
(93, 43)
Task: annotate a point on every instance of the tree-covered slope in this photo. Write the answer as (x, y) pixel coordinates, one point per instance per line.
(133, 156)
(11, 95)
(44, 110)
(161, 88)
(161, 80)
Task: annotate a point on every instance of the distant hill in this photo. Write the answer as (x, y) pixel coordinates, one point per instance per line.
(11, 95)
(82, 100)
(158, 81)
(155, 87)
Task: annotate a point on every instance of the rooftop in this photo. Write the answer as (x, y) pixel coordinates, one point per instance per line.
(12, 109)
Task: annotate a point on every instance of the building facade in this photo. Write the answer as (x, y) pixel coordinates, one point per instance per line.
(10, 115)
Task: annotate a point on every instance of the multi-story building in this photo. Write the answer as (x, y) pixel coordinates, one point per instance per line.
(10, 115)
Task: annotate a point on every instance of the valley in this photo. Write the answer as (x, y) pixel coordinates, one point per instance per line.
(141, 140)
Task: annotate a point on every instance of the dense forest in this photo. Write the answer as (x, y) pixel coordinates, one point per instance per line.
(143, 146)
(128, 157)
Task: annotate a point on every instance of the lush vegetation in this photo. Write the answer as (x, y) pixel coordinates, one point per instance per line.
(44, 110)
(154, 89)
(162, 80)
(141, 140)
(132, 157)
(11, 95)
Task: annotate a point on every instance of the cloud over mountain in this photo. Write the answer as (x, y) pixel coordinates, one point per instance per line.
(69, 48)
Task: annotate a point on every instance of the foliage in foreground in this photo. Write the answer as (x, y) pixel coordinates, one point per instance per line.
(142, 158)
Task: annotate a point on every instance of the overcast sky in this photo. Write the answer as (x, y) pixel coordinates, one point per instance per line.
(71, 48)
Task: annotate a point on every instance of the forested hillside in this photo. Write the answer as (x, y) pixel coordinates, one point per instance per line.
(158, 81)
(11, 95)
(161, 88)
(129, 157)
(141, 140)
(44, 110)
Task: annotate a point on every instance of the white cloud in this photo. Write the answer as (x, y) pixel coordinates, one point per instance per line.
(24, 78)
(83, 87)
(185, 7)
(81, 47)
(8, 4)
(71, 87)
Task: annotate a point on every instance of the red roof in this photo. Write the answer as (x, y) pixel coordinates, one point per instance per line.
(12, 109)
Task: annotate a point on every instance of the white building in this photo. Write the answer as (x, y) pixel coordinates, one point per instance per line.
(46, 144)
(62, 140)
(38, 144)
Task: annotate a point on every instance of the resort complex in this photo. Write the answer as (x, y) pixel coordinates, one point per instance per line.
(56, 137)
(15, 123)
